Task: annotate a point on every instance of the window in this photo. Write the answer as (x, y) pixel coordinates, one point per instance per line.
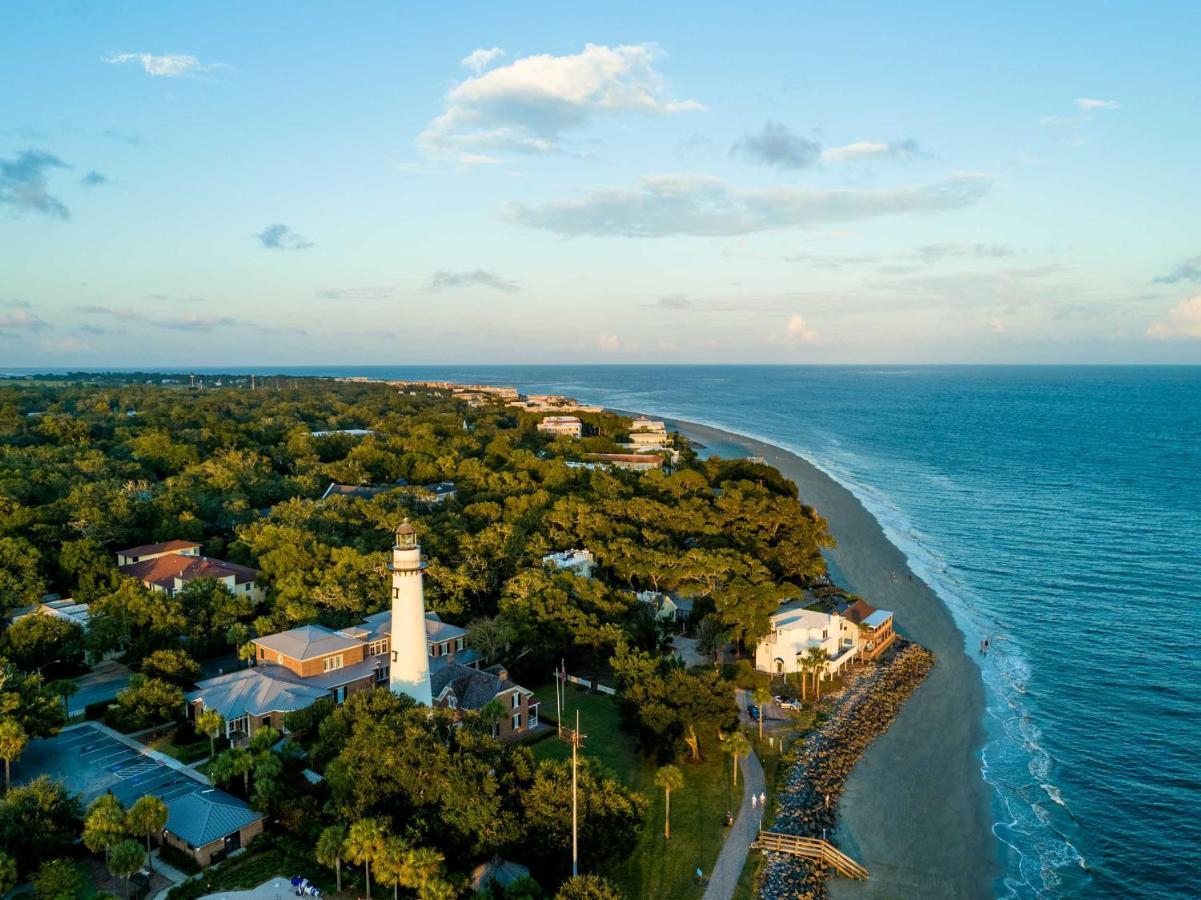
(516, 700)
(377, 648)
(452, 702)
(517, 722)
(246, 587)
(445, 647)
(262, 653)
(339, 695)
(459, 644)
(332, 662)
(381, 675)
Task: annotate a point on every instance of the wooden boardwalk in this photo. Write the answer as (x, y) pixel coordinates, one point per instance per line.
(811, 848)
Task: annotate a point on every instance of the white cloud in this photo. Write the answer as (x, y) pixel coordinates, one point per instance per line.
(1088, 105)
(996, 326)
(1182, 321)
(701, 205)
(527, 106)
(865, 150)
(167, 65)
(778, 146)
(799, 330)
(611, 343)
(20, 319)
(478, 60)
(471, 278)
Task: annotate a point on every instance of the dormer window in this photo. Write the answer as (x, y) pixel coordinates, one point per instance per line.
(452, 702)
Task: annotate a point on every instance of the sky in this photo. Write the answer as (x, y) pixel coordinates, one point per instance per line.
(386, 183)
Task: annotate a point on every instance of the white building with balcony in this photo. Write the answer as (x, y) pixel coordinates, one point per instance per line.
(796, 630)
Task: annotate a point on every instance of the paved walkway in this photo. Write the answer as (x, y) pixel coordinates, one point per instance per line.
(724, 877)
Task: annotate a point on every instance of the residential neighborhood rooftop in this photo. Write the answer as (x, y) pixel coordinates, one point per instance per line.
(164, 570)
(206, 816)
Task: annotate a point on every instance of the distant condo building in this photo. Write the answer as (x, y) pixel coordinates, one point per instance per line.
(637, 462)
(562, 426)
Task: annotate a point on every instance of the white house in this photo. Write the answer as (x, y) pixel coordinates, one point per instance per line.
(569, 426)
(795, 630)
(579, 562)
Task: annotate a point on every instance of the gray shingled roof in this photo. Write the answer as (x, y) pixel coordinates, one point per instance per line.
(307, 642)
(472, 688)
(380, 625)
(206, 816)
(256, 691)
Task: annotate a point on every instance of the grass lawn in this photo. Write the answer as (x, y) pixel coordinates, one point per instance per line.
(185, 753)
(658, 868)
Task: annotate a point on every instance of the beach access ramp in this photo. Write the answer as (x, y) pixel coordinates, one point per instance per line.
(811, 848)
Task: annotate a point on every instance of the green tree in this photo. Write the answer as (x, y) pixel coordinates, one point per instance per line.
(12, 744)
(210, 722)
(150, 702)
(172, 666)
(8, 873)
(737, 746)
(587, 887)
(670, 779)
(21, 581)
(105, 825)
(147, 816)
(58, 879)
(815, 660)
(27, 698)
(610, 816)
(39, 820)
(246, 652)
(331, 846)
(124, 860)
(364, 844)
(390, 864)
(64, 688)
(762, 696)
(35, 642)
(230, 764)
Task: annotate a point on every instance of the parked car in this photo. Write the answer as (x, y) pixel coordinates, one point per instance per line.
(789, 703)
(753, 711)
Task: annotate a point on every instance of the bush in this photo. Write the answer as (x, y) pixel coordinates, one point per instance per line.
(97, 710)
(177, 859)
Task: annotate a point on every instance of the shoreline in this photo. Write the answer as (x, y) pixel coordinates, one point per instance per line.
(916, 809)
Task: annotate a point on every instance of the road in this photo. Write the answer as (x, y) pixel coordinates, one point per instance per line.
(104, 682)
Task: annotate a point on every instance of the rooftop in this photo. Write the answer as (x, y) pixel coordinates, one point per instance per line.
(307, 642)
(164, 547)
(163, 570)
(473, 688)
(206, 816)
(257, 691)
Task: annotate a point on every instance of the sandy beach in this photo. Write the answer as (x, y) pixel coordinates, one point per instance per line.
(916, 808)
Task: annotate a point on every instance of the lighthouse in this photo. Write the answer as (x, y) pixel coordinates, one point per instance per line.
(409, 672)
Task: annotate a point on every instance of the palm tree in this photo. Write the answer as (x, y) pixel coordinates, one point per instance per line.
(230, 764)
(12, 744)
(762, 696)
(670, 779)
(246, 652)
(364, 844)
(209, 721)
(330, 847)
(816, 658)
(423, 868)
(146, 816)
(391, 865)
(438, 889)
(737, 745)
(65, 688)
(125, 859)
(104, 825)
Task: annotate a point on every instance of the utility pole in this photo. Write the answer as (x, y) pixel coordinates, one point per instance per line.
(575, 856)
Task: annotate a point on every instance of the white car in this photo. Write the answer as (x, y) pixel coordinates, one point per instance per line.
(788, 703)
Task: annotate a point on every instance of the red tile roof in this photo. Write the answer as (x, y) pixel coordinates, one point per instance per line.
(164, 547)
(644, 458)
(163, 570)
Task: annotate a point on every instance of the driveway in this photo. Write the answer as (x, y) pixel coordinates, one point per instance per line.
(104, 682)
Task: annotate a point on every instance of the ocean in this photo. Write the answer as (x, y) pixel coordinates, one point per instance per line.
(1057, 512)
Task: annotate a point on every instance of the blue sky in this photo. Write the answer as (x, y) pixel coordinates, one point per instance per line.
(269, 183)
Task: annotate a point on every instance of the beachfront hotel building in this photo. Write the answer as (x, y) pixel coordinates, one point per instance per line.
(562, 426)
(406, 648)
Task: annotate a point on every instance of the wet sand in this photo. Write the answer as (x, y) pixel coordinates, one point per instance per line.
(916, 810)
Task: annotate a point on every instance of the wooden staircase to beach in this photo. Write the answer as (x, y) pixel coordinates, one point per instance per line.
(811, 848)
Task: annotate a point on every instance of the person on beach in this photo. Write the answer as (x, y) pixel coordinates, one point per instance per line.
(754, 801)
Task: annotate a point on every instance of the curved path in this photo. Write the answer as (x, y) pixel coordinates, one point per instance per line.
(728, 869)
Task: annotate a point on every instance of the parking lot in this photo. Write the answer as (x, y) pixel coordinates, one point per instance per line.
(90, 762)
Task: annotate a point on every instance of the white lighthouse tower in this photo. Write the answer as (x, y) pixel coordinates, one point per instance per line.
(409, 672)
